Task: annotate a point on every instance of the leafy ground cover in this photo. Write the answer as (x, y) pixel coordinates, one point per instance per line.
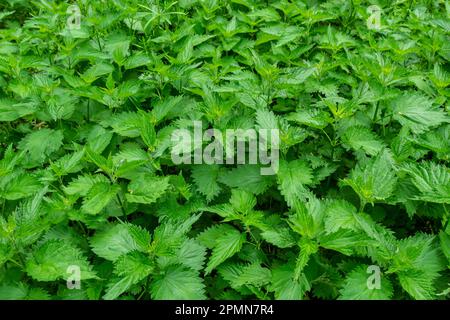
(358, 209)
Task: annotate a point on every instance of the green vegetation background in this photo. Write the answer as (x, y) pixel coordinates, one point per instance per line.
(86, 177)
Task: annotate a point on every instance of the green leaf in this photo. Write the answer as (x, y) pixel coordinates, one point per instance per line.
(445, 245)
(137, 60)
(292, 178)
(417, 264)
(191, 254)
(240, 275)
(280, 237)
(96, 71)
(165, 108)
(209, 236)
(50, 261)
(307, 220)
(226, 245)
(266, 119)
(20, 291)
(126, 124)
(20, 186)
(169, 236)
(148, 133)
(308, 247)
(284, 285)
(130, 269)
(147, 189)
(117, 240)
(177, 283)
(98, 139)
(357, 286)
(345, 242)
(70, 163)
(242, 201)
(359, 137)
(248, 178)
(205, 178)
(431, 179)
(83, 184)
(340, 214)
(373, 180)
(10, 111)
(416, 112)
(312, 118)
(98, 197)
(41, 144)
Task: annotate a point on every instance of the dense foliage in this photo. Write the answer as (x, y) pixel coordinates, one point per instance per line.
(87, 180)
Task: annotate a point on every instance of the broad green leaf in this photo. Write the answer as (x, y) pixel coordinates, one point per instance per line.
(130, 269)
(417, 264)
(98, 197)
(41, 144)
(117, 240)
(147, 189)
(51, 260)
(205, 178)
(292, 178)
(359, 137)
(225, 247)
(177, 283)
(10, 110)
(285, 287)
(248, 178)
(373, 180)
(22, 292)
(416, 111)
(359, 286)
(20, 186)
(340, 215)
(431, 179)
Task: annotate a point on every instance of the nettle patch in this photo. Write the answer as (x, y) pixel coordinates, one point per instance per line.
(92, 205)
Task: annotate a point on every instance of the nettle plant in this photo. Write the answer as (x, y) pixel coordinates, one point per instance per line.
(93, 207)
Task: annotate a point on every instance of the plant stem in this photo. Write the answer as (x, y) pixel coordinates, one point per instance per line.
(121, 206)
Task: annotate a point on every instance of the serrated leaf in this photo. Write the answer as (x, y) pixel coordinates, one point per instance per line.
(374, 180)
(209, 236)
(20, 186)
(177, 283)
(51, 260)
(248, 178)
(205, 178)
(83, 183)
(417, 264)
(130, 268)
(292, 178)
(119, 239)
(340, 214)
(41, 144)
(98, 197)
(359, 137)
(284, 285)
(357, 287)
(417, 112)
(431, 179)
(147, 189)
(225, 247)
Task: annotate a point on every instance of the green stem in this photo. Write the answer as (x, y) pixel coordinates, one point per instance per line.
(88, 111)
(376, 112)
(121, 206)
(3, 206)
(362, 205)
(19, 254)
(16, 263)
